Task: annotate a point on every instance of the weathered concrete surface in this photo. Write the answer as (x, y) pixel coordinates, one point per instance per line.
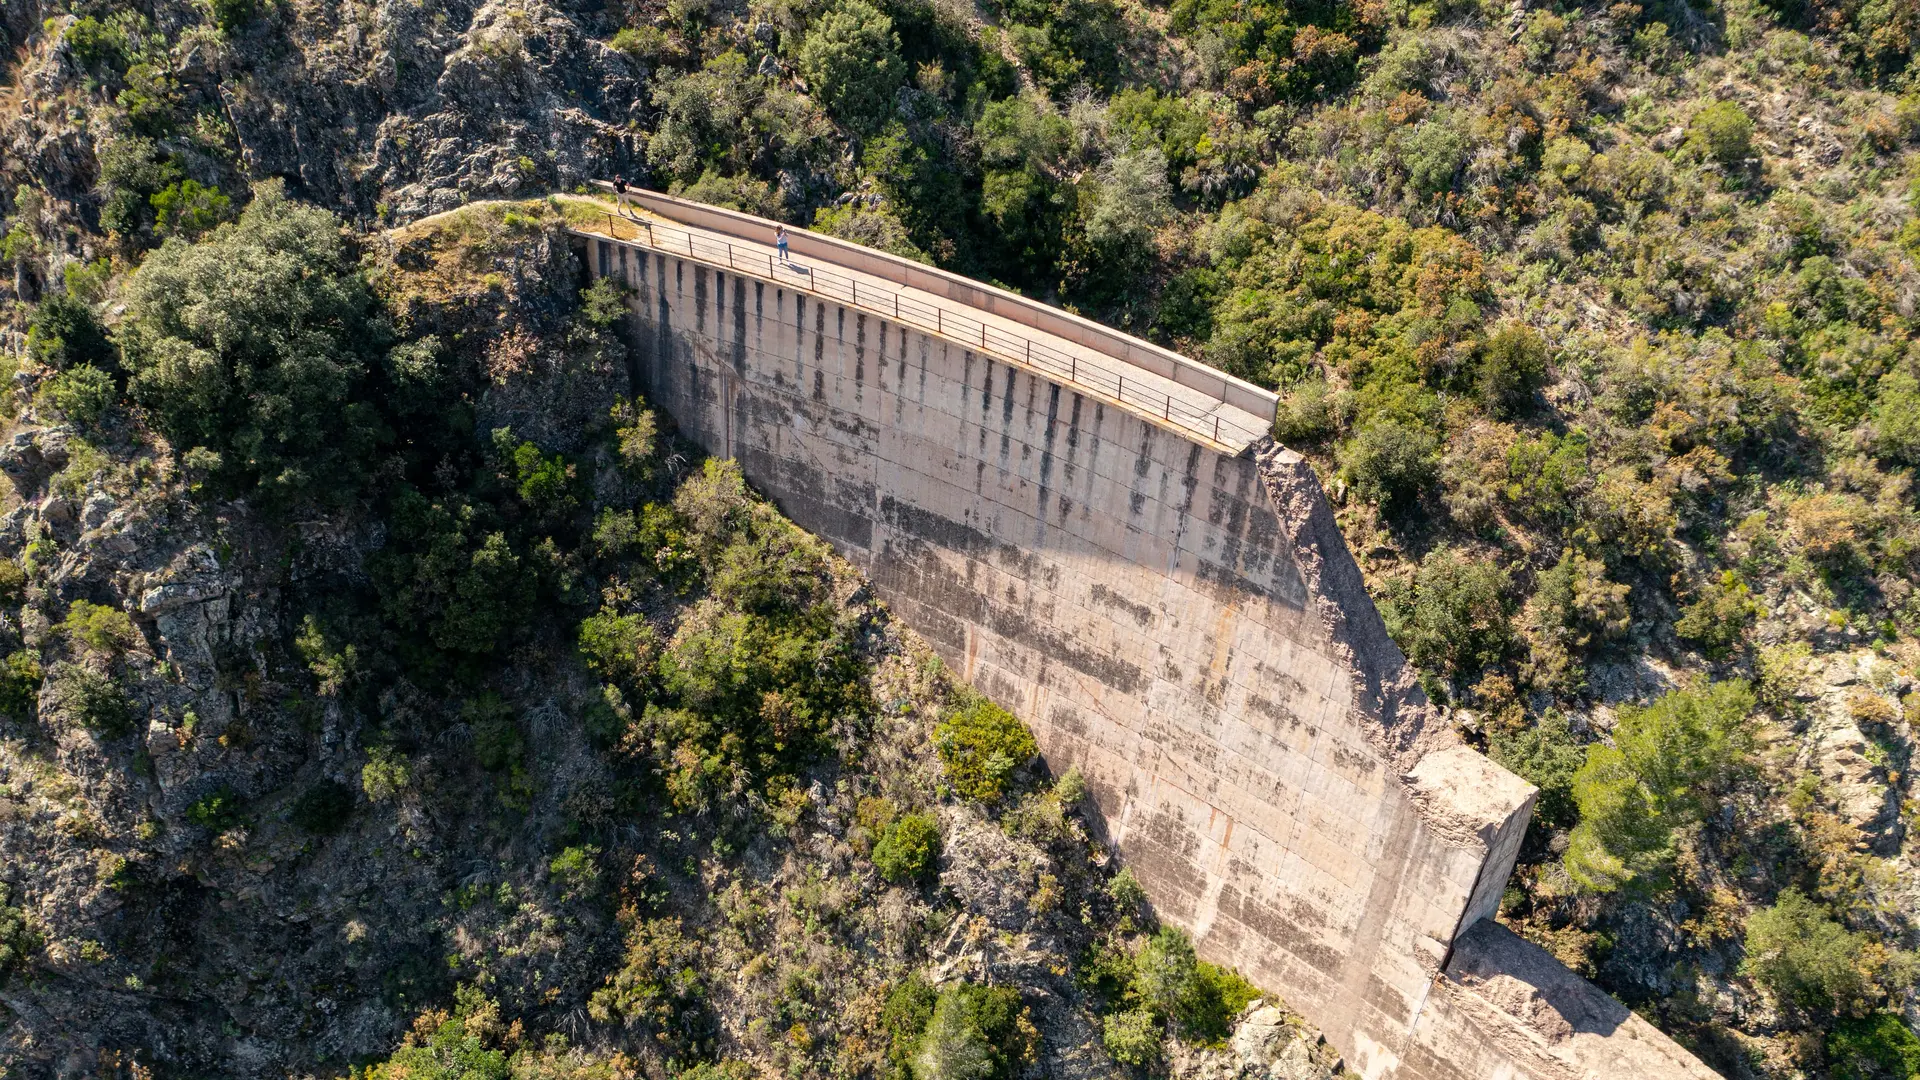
(1184, 624)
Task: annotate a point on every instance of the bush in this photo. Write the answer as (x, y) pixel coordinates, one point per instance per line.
(1176, 986)
(1513, 365)
(1873, 1046)
(17, 937)
(981, 744)
(1132, 1037)
(1718, 620)
(659, 988)
(82, 393)
(1896, 417)
(1723, 133)
(323, 808)
(576, 870)
(385, 775)
(1575, 607)
(89, 698)
(218, 810)
(1804, 956)
(64, 332)
(851, 61)
(975, 1033)
(1390, 461)
(188, 209)
(103, 629)
(1667, 765)
(619, 647)
(1546, 756)
(19, 683)
(909, 849)
(904, 1018)
(1453, 618)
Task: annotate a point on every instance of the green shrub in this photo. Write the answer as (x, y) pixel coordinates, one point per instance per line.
(103, 629)
(981, 744)
(904, 1018)
(1132, 1037)
(82, 393)
(1806, 957)
(636, 435)
(13, 581)
(1667, 765)
(909, 849)
(1176, 986)
(851, 61)
(1873, 1046)
(188, 209)
(255, 343)
(1896, 417)
(1574, 608)
(461, 1045)
(618, 647)
(19, 683)
(1723, 133)
(975, 1033)
(323, 808)
(576, 870)
(660, 988)
(231, 15)
(1718, 620)
(1453, 618)
(218, 810)
(385, 775)
(64, 332)
(89, 698)
(1306, 413)
(18, 940)
(1546, 756)
(1390, 461)
(1512, 367)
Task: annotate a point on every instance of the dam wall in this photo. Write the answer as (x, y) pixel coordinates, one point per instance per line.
(1175, 614)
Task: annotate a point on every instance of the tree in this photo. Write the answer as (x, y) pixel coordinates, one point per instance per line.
(254, 343)
(1454, 617)
(975, 1033)
(851, 61)
(1666, 768)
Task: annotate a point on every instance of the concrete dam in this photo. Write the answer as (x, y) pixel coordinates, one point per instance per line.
(1101, 536)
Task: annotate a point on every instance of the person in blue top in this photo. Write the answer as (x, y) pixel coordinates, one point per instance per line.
(780, 241)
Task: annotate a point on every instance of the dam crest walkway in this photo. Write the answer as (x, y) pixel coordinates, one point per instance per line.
(1198, 402)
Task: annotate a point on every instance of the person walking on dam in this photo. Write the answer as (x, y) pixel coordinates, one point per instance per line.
(780, 241)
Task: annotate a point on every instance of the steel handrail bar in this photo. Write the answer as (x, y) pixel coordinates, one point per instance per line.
(945, 322)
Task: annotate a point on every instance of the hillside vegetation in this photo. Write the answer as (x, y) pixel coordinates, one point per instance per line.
(1596, 319)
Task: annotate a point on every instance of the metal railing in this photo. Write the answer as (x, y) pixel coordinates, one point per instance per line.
(953, 325)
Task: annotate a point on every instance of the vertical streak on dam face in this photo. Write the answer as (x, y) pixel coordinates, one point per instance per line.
(1186, 627)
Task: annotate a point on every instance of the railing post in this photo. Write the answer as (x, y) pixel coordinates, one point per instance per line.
(1166, 410)
(1073, 369)
(1029, 352)
(1216, 427)
(940, 320)
(1120, 391)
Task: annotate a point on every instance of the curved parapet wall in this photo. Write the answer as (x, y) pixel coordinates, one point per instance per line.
(1182, 621)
